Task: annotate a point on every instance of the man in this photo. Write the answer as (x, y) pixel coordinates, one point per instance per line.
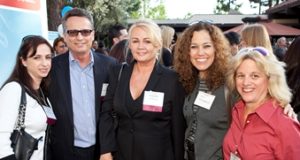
(281, 48)
(234, 40)
(78, 78)
(116, 34)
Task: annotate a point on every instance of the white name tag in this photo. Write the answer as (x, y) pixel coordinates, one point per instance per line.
(153, 101)
(234, 156)
(49, 112)
(104, 89)
(204, 100)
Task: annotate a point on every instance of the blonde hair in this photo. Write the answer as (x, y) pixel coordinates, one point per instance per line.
(274, 69)
(167, 35)
(255, 35)
(151, 28)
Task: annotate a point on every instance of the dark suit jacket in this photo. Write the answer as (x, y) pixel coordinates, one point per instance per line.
(62, 133)
(144, 135)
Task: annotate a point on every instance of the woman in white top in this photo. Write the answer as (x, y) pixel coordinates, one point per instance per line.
(31, 70)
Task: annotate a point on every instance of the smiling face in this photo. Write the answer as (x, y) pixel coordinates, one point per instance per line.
(79, 44)
(141, 46)
(39, 65)
(202, 50)
(251, 83)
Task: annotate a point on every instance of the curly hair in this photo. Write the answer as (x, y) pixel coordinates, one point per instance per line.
(188, 74)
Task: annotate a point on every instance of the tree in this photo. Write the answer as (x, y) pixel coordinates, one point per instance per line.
(157, 11)
(264, 3)
(225, 6)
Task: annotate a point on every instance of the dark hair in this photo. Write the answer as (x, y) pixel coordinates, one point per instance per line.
(114, 32)
(57, 40)
(121, 52)
(233, 38)
(292, 59)
(20, 74)
(77, 12)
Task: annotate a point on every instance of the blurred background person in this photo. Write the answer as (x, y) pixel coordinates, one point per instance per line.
(234, 41)
(121, 52)
(101, 48)
(59, 46)
(33, 63)
(280, 48)
(116, 33)
(167, 34)
(256, 35)
(259, 129)
(95, 45)
(292, 60)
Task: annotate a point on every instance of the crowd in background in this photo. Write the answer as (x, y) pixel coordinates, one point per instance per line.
(153, 93)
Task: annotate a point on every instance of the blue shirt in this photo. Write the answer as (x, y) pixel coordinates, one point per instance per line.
(83, 101)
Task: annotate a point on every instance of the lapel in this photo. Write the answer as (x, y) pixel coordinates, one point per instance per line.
(98, 70)
(150, 86)
(64, 73)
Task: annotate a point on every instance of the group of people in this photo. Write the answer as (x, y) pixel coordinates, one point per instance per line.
(210, 105)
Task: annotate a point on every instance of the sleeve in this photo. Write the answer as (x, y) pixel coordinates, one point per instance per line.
(10, 96)
(178, 121)
(288, 144)
(107, 132)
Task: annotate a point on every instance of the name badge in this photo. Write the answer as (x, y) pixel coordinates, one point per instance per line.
(104, 89)
(234, 157)
(153, 101)
(204, 100)
(51, 118)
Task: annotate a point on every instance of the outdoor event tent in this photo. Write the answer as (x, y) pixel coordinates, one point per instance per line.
(274, 29)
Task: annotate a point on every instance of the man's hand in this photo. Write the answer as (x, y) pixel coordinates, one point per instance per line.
(106, 156)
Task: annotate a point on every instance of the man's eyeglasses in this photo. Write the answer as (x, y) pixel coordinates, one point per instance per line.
(83, 32)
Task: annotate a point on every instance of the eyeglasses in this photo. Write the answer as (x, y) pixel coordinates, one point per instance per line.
(83, 32)
(205, 21)
(263, 51)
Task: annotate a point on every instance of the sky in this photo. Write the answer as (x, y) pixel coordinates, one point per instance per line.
(180, 8)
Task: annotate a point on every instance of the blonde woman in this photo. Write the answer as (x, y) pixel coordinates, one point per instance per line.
(167, 34)
(259, 129)
(147, 98)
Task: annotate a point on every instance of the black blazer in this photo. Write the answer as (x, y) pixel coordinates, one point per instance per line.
(143, 135)
(62, 133)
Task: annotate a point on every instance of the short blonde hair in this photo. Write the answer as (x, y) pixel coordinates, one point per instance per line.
(151, 28)
(274, 69)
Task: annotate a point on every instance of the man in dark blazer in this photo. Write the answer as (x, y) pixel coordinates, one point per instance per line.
(78, 81)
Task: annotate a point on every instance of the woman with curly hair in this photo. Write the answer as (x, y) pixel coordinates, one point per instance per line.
(201, 60)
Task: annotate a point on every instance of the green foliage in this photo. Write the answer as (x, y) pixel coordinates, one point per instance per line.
(224, 6)
(157, 12)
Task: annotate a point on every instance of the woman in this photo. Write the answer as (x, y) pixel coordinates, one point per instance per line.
(258, 129)
(292, 59)
(167, 34)
(31, 70)
(256, 35)
(147, 100)
(201, 60)
(59, 46)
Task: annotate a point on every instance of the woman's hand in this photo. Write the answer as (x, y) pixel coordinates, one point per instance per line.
(106, 156)
(289, 111)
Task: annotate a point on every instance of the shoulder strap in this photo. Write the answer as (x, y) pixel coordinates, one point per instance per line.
(22, 110)
(121, 70)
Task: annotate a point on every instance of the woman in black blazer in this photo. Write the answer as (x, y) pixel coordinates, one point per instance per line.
(148, 100)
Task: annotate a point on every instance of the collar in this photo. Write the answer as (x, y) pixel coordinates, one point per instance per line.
(265, 111)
